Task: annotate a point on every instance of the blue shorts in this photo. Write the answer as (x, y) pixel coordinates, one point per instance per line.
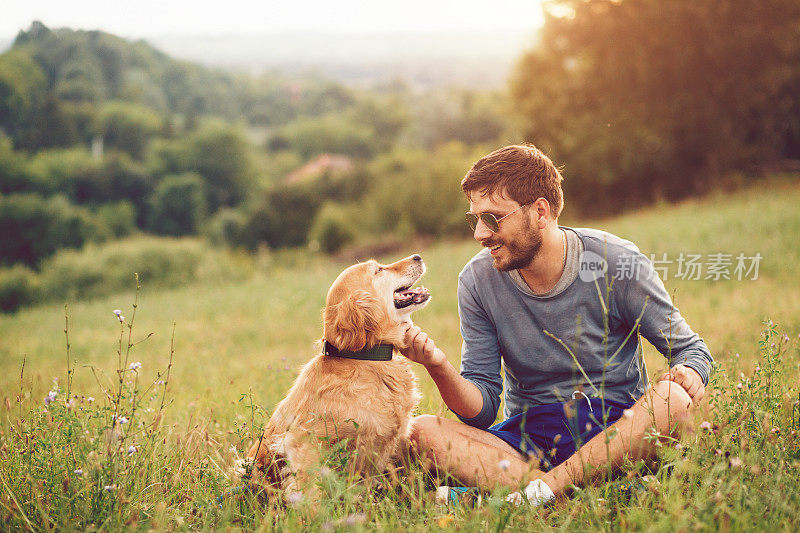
(552, 433)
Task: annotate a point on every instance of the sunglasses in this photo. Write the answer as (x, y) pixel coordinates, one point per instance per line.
(491, 221)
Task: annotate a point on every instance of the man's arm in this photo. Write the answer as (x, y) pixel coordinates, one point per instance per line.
(663, 326)
(460, 395)
(473, 394)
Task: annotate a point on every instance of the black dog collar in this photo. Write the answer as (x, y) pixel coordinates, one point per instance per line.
(379, 352)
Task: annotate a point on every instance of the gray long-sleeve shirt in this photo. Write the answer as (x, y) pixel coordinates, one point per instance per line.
(593, 321)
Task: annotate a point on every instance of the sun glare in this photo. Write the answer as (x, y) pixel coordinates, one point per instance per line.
(152, 17)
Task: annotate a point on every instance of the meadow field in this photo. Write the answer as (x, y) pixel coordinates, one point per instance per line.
(216, 356)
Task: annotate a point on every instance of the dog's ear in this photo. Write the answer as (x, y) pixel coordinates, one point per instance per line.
(355, 322)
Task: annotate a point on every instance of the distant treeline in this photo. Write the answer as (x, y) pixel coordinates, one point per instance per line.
(101, 138)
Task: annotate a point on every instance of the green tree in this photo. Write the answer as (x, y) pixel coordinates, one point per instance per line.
(333, 227)
(128, 127)
(333, 133)
(23, 89)
(647, 99)
(34, 227)
(283, 217)
(178, 205)
(15, 173)
(72, 172)
(222, 155)
(418, 192)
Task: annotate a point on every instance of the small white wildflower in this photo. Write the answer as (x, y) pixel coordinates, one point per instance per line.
(50, 397)
(678, 446)
(627, 413)
(90, 399)
(232, 449)
(132, 450)
(758, 368)
(78, 472)
(119, 316)
(295, 498)
(70, 403)
(737, 356)
(504, 464)
(739, 386)
(121, 419)
(705, 425)
(110, 488)
(135, 366)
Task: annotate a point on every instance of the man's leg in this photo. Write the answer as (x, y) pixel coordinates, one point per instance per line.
(665, 407)
(473, 456)
(469, 454)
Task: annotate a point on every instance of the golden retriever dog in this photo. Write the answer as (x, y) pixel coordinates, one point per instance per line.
(360, 391)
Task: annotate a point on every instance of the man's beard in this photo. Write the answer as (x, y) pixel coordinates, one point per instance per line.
(520, 252)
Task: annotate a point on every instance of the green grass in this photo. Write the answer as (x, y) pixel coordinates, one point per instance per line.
(240, 342)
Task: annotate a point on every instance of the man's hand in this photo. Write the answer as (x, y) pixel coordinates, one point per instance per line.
(421, 349)
(689, 379)
(460, 395)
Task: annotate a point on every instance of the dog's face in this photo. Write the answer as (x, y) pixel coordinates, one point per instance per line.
(369, 302)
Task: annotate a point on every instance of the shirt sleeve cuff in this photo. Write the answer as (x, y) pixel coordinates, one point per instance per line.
(699, 367)
(488, 413)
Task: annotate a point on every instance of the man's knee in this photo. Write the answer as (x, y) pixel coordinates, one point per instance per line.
(672, 407)
(423, 427)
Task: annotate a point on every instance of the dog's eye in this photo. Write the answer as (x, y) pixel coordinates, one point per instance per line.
(378, 269)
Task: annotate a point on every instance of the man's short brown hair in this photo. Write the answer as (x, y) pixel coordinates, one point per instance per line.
(522, 171)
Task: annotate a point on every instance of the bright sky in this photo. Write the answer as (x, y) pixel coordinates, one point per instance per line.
(143, 18)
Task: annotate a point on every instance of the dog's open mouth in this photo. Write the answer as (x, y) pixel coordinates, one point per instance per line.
(405, 296)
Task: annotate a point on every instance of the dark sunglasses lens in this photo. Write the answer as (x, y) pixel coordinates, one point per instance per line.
(490, 221)
(472, 220)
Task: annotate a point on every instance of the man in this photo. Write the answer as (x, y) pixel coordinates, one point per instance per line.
(561, 310)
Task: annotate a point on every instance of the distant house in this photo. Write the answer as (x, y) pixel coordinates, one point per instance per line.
(333, 163)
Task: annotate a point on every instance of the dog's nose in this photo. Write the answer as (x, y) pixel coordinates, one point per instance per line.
(416, 257)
